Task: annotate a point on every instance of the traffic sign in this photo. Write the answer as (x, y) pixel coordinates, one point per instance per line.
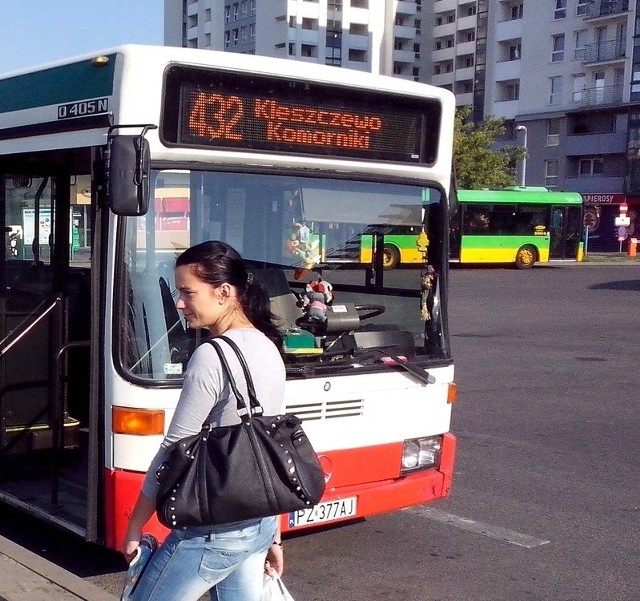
(624, 208)
(622, 220)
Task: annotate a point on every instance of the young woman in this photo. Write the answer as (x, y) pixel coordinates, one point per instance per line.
(217, 293)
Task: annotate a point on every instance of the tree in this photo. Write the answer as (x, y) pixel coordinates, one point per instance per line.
(477, 163)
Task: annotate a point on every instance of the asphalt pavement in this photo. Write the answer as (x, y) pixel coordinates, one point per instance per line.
(26, 576)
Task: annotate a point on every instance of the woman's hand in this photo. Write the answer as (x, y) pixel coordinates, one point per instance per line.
(275, 560)
(131, 543)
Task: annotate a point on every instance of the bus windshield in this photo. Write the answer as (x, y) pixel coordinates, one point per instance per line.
(313, 243)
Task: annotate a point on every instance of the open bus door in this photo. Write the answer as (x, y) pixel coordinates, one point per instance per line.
(44, 349)
(565, 231)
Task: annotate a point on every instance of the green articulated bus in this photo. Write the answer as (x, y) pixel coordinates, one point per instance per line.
(522, 226)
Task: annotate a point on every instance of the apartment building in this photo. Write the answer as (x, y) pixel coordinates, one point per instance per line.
(367, 35)
(565, 74)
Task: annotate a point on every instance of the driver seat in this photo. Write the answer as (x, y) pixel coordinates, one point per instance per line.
(284, 303)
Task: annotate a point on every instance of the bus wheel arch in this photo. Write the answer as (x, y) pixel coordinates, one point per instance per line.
(526, 256)
(390, 256)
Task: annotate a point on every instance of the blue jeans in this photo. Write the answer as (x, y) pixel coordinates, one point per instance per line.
(228, 560)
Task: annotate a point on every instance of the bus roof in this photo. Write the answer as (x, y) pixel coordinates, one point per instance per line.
(72, 103)
(519, 196)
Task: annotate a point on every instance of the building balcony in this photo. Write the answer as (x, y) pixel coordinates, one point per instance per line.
(583, 144)
(404, 32)
(464, 99)
(598, 96)
(593, 184)
(508, 30)
(405, 8)
(404, 56)
(465, 73)
(465, 48)
(467, 22)
(442, 79)
(444, 54)
(441, 6)
(360, 42)
(507, 70)
(444, 30)
(309, 36)
(611, 50)
(606, 9)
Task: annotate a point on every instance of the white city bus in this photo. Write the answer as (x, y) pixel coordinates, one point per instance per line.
(112, 164)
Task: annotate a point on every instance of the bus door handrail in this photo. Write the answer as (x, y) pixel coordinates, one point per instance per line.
(21, 331)
(8, 342)
(57, 407)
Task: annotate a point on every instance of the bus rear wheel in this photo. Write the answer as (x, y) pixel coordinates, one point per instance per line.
(526, 257)
(390, 257)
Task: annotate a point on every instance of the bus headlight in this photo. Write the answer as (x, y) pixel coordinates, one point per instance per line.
(421, 453)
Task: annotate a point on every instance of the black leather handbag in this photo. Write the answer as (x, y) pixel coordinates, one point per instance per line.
(263, 466)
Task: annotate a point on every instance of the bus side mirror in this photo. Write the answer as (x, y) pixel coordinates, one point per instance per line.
(128, 175)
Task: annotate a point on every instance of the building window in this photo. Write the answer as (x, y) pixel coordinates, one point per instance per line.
(227, 14)
(252, 32)
(227, 38)
(311, 24)
(517, 12)
(508, 90)
(551, 174)
(467, 36)
(243, 34)
(590, 167)
(555, 89)
(579, 80)
(252, 7)
(581, 43)
(515, 51)
(553, 132)
(235, 35)
(558, 48)
(292, 21)
(243, 8)
(512, 91)
(357, 56)
(309, 50)
(235, 11)
(292, 48)
(581, 9)
(207, 15)
(561, 9)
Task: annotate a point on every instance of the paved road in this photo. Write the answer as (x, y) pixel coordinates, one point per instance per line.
(546, 498)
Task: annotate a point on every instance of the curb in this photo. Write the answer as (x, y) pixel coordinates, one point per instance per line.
(50, 574)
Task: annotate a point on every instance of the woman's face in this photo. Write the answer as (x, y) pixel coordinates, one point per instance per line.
(201, 304)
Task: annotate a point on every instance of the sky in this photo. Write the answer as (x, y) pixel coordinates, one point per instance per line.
(39, 31)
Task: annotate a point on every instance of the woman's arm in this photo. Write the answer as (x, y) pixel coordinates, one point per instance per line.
(275, 556)
(142, 511)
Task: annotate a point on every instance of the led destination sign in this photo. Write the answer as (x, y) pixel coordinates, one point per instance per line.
(222, 110)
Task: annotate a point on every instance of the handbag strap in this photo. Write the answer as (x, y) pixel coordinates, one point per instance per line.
(245, 412)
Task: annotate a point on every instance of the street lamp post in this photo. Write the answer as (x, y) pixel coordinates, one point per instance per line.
(523, 173)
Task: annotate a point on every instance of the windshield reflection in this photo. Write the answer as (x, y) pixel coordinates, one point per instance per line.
(353, 268)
